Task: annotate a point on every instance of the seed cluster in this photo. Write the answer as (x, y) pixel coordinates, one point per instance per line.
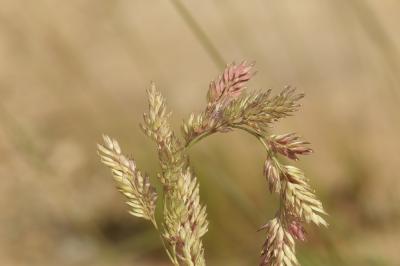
(229, 107)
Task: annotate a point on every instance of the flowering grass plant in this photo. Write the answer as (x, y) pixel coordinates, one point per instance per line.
(229, 107)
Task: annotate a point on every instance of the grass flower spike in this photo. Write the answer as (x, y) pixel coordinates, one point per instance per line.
(141, 195)
(229, 107)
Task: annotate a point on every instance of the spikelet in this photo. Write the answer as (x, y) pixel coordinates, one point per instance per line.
(273, 174)
(230, 84)
(297, 230)
(157, 127)
(289, 145)
(135, 186)
(279, 247)
(300, 199)
(156, 124)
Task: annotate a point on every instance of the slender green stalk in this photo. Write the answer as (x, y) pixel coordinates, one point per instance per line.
(199, 33)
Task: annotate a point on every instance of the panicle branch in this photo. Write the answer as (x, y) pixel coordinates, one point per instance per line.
(298, 203)
(229, 108)
(185, 219)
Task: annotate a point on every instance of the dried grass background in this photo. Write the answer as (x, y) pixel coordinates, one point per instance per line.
(71, 70)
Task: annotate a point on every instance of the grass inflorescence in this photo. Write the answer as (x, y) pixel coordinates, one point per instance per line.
(228, 108)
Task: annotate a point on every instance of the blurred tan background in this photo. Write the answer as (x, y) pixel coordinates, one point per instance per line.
(72, 70)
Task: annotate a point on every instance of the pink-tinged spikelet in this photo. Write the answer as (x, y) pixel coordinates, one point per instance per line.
(231, 83)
